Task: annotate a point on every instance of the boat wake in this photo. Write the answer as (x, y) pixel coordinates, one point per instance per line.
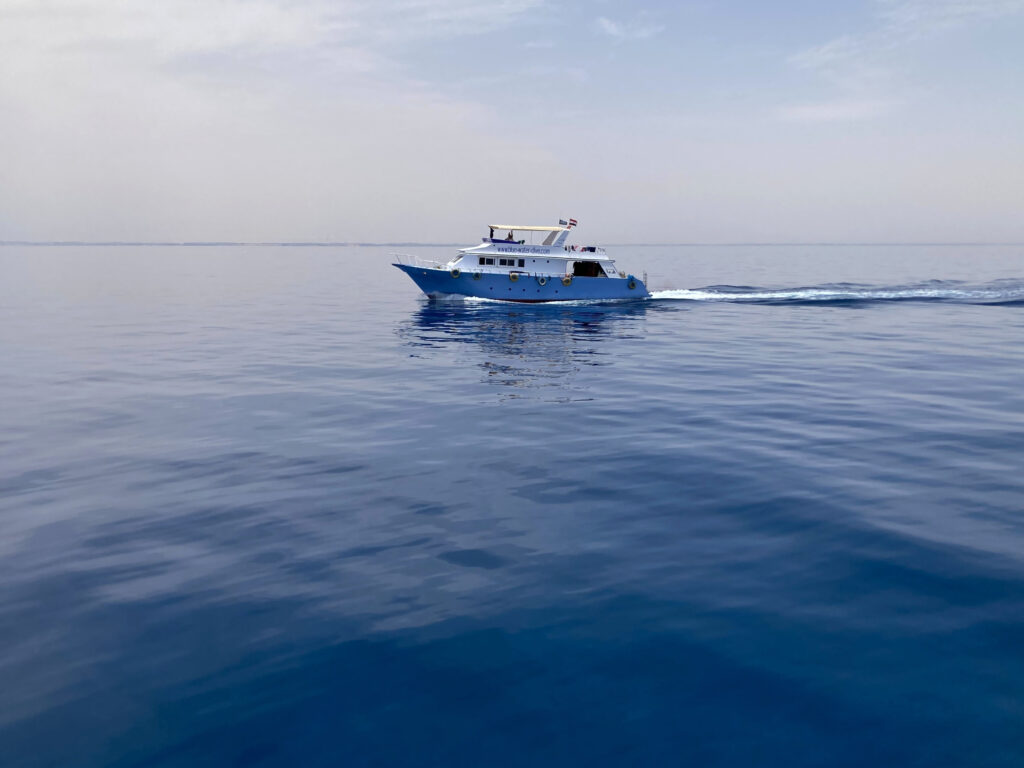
(1003, 292)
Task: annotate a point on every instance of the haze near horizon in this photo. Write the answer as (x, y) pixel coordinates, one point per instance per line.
(421, 120)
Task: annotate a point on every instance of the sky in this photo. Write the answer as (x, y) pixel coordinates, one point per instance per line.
(424, 120)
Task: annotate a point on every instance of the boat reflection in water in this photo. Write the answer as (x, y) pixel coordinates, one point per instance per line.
(526, 347)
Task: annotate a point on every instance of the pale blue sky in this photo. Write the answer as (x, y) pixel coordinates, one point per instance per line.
(856, 120)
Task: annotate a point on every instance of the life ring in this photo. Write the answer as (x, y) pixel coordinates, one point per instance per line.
(631, 284)
(542, 280)
(513, 276)
(456, 272)
(566, 280)
(477, 275)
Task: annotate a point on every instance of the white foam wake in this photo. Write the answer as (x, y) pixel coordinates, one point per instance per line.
(980, 294)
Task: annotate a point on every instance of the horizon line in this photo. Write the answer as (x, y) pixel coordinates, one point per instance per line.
(350, 244)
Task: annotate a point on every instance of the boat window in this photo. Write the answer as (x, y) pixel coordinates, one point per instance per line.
(587, 269)
(522, 262)
(482, 260)
(488, 261)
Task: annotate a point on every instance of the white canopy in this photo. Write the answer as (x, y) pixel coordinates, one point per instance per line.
(516, 228)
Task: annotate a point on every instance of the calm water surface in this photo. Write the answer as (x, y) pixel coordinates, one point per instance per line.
(269, 506)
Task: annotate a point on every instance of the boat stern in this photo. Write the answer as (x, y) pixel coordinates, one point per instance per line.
(638, 287)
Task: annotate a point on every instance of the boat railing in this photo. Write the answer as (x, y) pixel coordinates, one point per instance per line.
(411, 260)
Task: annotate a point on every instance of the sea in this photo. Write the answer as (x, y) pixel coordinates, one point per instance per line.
(271, 506)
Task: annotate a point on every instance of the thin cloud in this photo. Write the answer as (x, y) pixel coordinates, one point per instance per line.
(841, 49)
(443, 18)
(637, 29)
(175, 27)
(916, 17)
(864, 69)
(168, 28)
(831, 111)
(898, 23)
(199, 118)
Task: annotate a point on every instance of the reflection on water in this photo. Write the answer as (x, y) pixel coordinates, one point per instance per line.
(526, 346)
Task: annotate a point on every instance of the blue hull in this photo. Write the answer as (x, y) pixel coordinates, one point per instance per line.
(528, 288)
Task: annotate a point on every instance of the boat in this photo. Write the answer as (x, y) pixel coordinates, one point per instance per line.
(511, 269)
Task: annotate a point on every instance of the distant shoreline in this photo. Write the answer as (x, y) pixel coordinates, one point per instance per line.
(299, 244)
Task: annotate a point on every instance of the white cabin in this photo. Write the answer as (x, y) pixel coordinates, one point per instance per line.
(516, 252)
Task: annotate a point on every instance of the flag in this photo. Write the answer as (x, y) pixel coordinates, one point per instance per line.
(562, 222)
(572, 222)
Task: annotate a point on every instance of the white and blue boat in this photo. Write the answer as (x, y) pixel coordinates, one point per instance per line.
(513, 268)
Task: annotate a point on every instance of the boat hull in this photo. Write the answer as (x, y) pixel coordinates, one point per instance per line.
(528, 288)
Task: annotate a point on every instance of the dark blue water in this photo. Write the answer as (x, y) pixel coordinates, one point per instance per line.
(270, 507)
